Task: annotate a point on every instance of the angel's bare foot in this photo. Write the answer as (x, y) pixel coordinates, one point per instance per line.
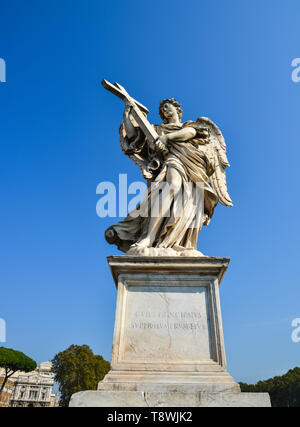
(110, 235)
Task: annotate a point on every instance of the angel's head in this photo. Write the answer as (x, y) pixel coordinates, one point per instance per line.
(170, 111)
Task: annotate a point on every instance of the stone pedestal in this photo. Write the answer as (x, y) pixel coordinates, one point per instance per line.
(168, 346)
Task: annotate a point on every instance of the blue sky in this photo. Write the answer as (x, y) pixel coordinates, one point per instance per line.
(227, 60)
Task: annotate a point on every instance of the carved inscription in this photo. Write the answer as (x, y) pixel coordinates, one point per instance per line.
(184, 320)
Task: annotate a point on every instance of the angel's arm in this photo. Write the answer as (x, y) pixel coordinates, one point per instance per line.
(182, 135)
(130, 130)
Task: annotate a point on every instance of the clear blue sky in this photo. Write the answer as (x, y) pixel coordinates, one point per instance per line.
(228, 60)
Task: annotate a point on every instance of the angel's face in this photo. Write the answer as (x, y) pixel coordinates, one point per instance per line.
(170, 112)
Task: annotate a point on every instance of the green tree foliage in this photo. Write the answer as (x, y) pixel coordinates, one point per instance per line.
(284, 390)
(78, 369)
(12, 361)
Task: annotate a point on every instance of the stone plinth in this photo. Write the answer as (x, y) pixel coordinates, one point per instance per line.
(168, 341)
(171, 399)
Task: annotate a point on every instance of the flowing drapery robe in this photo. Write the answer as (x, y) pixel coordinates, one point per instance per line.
(179, 230)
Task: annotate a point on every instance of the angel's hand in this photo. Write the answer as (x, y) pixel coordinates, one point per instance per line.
(128, 106)
(204, 133)
(127, 110)
(161, 143)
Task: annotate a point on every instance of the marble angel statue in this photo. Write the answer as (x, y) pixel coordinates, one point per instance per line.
(184, 155)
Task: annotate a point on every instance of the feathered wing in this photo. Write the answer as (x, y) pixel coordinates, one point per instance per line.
(216, 153)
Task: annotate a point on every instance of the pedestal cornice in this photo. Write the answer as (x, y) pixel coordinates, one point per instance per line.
(215, 266)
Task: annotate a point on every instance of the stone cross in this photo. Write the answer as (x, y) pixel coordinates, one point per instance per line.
(137, 110)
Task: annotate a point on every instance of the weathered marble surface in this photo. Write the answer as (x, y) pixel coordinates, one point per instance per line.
(168, 329)
(163, 252)
(158, 399)
(166, 323)
(171, 154)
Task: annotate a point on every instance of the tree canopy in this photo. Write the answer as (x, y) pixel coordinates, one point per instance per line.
(284, 390)
(77, 369)
(12, 361)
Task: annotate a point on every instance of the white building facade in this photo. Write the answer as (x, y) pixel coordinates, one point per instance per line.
(35, 388)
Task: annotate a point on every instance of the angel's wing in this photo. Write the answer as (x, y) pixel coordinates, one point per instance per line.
(216, 153)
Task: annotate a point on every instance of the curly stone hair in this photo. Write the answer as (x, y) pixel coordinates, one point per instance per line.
(173, 102)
